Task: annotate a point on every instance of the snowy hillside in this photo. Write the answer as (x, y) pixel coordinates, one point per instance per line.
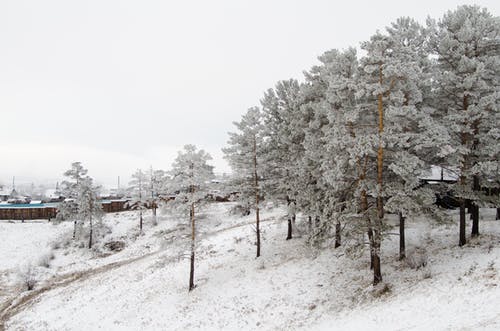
(292, 286)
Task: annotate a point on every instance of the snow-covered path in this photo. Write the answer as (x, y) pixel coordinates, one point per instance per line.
(291, 287)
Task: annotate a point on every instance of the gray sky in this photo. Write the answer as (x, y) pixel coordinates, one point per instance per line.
(120, 84)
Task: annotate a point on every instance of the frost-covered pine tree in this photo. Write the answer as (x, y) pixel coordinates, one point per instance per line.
(68, 209)
(89, 206)
(393, 81)
(313, 200)
(283, 148)
(245, 156)
(339, 73)
(139, 196)
(155, 186)
(190, 176)
(466, 42)
(413, 135)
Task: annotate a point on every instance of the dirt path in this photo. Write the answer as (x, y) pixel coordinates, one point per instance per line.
(18, 302)
(21, 300)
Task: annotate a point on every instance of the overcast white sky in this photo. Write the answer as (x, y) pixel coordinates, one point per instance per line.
(121, 84)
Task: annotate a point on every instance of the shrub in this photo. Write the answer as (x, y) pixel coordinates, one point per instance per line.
(417, 258)
(27, 276)
(44, 260)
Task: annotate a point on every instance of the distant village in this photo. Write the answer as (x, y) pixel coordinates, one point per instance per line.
(31, 194)
(28, 202)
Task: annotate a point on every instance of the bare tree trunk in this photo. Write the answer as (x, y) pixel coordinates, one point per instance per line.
(462, 240)
(90, 234)
(475, 209)
(155, 221)
(337, 234)
(377, 239)
(140, 220)
(74, 229)
(498, 214)
(475, 220)
(289, 232)
(377, 272)
(256, 184)
(193, 237)
(370, 240)
(257, 220)
(402, 246)
(310, 222)
(364, 209)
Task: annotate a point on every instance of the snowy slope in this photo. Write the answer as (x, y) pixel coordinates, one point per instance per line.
(292, 286)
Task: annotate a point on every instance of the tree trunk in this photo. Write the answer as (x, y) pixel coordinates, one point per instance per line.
(380, 152)
(155, 221)
(257, 220)
(475, 220)
(140, 220)
(463, 137)
(364, 208)
(402, 250)
(475, 208)
(377, 240)
(370, 240)
(90, 234)
(193, 237)
(74, 229)
(498, 214)
(338, 228)
(462, 241)
(377, 230)
(290, 218)
(310, 222)
(256, 183)
(289, 233)
(377, 272)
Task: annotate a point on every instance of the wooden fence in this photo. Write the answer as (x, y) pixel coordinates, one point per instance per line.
(29, 213)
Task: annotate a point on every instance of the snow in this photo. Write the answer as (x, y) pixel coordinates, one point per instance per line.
(292, 286)
(435, 174)
(20, 242)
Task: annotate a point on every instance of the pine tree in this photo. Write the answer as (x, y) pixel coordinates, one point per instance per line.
(466, 43)
(283, 147)
(156, 181)
(340, 71)
(245, 156)
(89, 207)
(139, 194)
(395, 77)
(190, 176)
(318, 196)
(68, 209)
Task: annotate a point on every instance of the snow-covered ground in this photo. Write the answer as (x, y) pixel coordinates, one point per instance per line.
(292, 286)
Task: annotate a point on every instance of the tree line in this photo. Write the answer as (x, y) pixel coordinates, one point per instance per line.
(353, 141)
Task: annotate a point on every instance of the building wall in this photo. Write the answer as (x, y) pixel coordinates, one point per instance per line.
(27, 213)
